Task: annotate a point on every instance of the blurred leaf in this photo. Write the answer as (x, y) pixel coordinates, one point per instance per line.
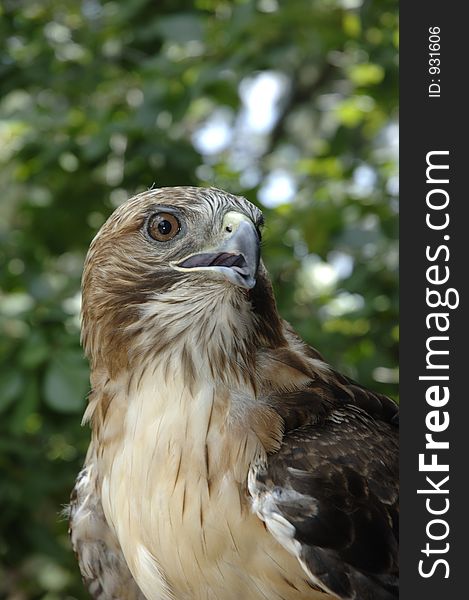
(11, 385)
(35, 351)
(180, 27)
(366, 74)
(25, 406)
(351, 24)
(66, 383)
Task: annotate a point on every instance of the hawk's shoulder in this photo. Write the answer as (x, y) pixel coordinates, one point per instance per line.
(330, 493)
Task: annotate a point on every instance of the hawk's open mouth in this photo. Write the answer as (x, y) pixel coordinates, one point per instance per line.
(234, 262)
(222, 259)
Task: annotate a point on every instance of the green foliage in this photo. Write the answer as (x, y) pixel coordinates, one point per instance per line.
(102, 99)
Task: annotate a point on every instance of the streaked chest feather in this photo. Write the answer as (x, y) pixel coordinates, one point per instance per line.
(174, 470)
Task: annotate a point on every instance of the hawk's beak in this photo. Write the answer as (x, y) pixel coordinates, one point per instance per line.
(237, 256)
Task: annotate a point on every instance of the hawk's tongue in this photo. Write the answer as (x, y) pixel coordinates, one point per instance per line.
(223, 259)
(226, 259)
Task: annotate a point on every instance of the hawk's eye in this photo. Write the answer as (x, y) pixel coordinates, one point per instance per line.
(163, 227)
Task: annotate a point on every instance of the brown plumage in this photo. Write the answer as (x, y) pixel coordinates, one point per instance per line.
(228, 460)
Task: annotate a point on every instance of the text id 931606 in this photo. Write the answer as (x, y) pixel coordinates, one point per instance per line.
(434, 62)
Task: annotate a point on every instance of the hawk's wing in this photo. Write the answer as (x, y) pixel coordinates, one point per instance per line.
(330, 494)
(102, 564)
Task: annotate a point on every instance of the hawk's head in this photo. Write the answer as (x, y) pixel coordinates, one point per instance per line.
(171, 263)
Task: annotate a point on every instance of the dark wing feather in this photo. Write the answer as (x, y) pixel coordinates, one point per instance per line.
(330, 494)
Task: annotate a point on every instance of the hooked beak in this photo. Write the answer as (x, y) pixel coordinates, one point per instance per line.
(237, 256)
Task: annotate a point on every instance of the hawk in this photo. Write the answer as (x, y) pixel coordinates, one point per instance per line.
(228, 461)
